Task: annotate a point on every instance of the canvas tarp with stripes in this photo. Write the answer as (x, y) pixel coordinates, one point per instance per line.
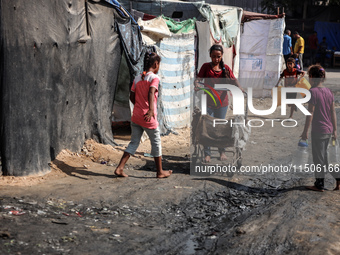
(177, 70)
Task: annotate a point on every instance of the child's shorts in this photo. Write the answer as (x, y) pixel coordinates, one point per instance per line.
(136, 134)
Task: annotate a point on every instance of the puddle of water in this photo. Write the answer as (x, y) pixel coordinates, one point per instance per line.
(190, 246)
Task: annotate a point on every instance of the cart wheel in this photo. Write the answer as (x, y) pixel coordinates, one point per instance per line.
(239, 156)
(197, 155)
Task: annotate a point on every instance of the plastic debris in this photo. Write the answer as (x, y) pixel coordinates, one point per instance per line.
(17, 213)
(182, 187)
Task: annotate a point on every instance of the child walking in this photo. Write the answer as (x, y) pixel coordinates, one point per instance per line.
(144, 92)
(215, 71)
(291, 76)
(324, 125)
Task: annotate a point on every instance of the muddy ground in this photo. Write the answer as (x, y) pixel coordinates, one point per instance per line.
(82, 208)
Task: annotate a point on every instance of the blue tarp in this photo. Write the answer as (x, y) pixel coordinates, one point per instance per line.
(331, 31)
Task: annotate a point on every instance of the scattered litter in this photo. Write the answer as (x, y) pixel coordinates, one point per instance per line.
(182, 187)
(100, 230)
(59, 222)
(17, 213)
(252, 142)
(68, 239)
(103, 162)
(212, 237)
(40, 212)
(5, 234)
(148, 155)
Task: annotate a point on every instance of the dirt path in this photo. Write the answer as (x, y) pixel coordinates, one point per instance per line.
(82, 208)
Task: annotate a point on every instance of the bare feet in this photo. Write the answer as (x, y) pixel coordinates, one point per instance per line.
(120, 173)
(207, 159)
(314, 188)
(223, 157)
(164, 174)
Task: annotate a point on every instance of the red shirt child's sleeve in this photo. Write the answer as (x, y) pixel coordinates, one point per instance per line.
(203, 71)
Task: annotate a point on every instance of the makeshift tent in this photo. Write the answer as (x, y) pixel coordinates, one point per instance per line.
(59, 67)
(178, 52)
(261, 53)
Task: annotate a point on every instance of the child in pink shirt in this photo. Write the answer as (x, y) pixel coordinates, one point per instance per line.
(144, 92)
(324, 126)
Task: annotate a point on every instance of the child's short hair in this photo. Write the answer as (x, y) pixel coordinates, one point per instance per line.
(290, 60)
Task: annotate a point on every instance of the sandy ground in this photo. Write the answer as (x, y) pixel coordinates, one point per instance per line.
(81, 207)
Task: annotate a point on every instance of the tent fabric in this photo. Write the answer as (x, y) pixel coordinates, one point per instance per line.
(176, 71)
(230, 23)
(120, 9)
(249, 16)
(58, 79)
(204, 43)
(224, 24)
(154, 30)
(260, 55)
(180, 27)
(330, 30)
(188, 10)
(131, 38)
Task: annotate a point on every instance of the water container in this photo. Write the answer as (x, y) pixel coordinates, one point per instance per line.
(303, 83)
(300, 157)
(333, 152)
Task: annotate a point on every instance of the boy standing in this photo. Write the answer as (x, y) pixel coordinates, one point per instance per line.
(291, 76)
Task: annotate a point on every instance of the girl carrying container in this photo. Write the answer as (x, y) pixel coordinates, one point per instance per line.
(324, 125)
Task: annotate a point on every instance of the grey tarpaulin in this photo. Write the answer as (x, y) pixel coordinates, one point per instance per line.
(131, 38)
(59, 65)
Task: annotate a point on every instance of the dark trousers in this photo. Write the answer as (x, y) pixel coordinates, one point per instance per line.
(320, 159)
(313, 56)
(301, 60)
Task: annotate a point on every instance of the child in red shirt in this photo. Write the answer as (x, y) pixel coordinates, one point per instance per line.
(291, 77)
(144, 92)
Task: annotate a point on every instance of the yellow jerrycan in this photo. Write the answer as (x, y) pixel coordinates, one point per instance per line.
(303, 83)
